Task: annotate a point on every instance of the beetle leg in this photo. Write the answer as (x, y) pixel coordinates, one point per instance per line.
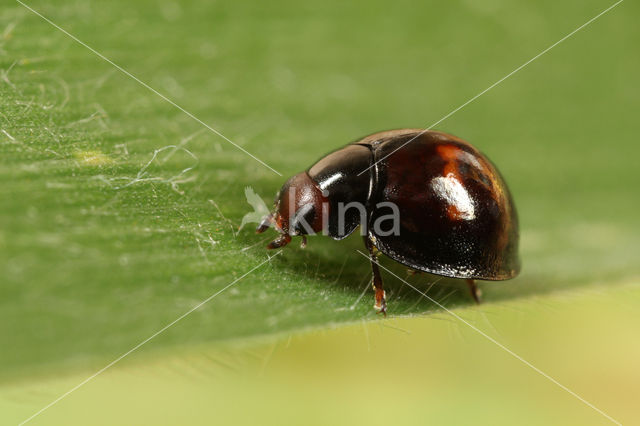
(476, 293)
(411, 272)
(381, 300)
(281, 241)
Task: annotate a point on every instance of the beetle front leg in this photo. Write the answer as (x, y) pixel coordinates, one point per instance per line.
(281, 241)
(381, 300)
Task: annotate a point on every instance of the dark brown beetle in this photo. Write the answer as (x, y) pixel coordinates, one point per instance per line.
(456, 215)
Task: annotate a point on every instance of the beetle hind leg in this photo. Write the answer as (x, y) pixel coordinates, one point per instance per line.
(381, 299)
(411, 272)
(476, 293)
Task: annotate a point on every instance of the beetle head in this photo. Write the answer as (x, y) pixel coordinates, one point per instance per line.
(298, 210)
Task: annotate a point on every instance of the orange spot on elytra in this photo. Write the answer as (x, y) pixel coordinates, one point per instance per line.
(453, 212)
(450, 154)
(453, 155)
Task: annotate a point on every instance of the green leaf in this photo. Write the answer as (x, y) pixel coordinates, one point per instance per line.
(120, 212)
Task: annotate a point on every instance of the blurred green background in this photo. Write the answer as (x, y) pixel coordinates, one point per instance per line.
(98, 251)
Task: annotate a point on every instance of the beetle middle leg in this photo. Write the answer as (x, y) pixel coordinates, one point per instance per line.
(476, 293)
(411, 272)
(381, 300)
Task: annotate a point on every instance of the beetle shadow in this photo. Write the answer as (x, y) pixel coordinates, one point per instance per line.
(342, 267)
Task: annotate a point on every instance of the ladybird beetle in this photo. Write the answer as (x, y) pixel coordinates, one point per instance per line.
(455, 215)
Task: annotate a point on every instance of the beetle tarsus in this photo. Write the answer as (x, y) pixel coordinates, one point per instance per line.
(476, 293)
(381, 298)
(381, 301)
